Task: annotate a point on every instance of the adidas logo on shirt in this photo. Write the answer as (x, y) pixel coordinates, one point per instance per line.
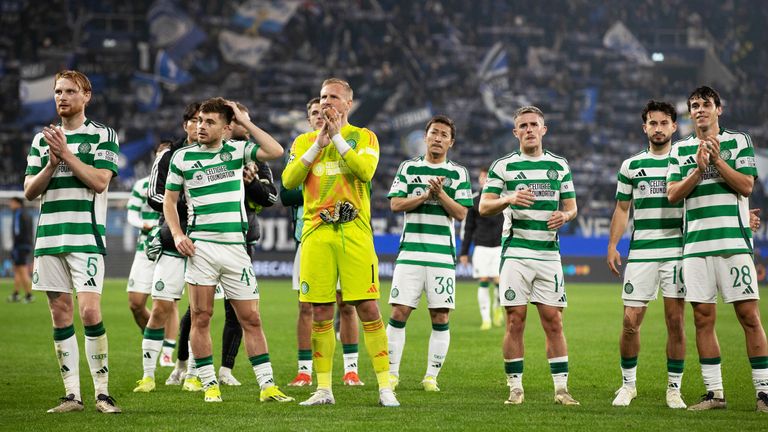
(417, 180)
(90, 283)
(521, 176)
(197, 165)
(690, 161)
(641, 173)
(749, 290)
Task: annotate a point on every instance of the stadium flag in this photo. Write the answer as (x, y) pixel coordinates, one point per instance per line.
(620, 39)
(147, 91)
(241, 49)
(495, 64)
(132, 151)
(36, 97)
(495, 91)
(167, 72)
(589, 107)
(264, 16)
(172, 29)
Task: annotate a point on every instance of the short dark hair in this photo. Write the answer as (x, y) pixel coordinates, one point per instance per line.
(18, 200)
(664, 107)
(444, 120)
(314, 100)
(190, 112)
(704, 92)
(218, 105)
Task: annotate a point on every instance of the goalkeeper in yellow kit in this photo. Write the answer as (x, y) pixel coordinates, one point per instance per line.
(335, 165)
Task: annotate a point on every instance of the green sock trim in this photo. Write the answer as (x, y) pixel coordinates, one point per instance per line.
(440, 327)
(259, 359)
(675, 366)
(350, 348)
(95, 330)
(759, 362)
(513, 367)
(205, 361)
(396, 324)
(628, 362)
(484, 284)
(305, 355)
(154, 334)
(166, 343)
(710, 361)
(60, 334)
(558, 367)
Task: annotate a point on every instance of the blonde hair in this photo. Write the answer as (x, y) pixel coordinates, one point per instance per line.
(529, 109)
(77, 77)
(341, 82)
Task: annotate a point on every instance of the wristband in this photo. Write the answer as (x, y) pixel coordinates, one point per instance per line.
(311, 154)
(340, 144)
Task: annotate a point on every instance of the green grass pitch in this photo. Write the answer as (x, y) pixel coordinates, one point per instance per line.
(472, 380)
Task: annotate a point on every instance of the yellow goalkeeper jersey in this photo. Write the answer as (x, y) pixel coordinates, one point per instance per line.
(332, 178)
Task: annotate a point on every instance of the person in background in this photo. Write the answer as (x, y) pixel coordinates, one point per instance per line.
(22, 246)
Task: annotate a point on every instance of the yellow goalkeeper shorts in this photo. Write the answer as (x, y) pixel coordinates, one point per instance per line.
(342, 252)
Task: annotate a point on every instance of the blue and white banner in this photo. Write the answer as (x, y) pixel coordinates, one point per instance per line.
(36, 97)
(132, 151)
(246, 50)
(172, 29)
(495, 91)
(167, 72)
(619, 38)
(265, 16)
(147, 91)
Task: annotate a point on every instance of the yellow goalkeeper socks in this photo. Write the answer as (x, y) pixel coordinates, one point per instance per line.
(323, 346)
(376, 344)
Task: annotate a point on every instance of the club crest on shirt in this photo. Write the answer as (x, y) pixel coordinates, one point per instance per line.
(84, 148)
(552, 174)
(225, 156)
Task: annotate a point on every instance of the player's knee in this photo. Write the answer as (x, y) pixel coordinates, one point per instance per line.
(704, 317)
(675, 324)
(136, 306)
(347, 311)
(201, 317)
(631, 324)
(750, 320)
(552, 325)
(515, 323)
(90, 314)
(251, 322)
